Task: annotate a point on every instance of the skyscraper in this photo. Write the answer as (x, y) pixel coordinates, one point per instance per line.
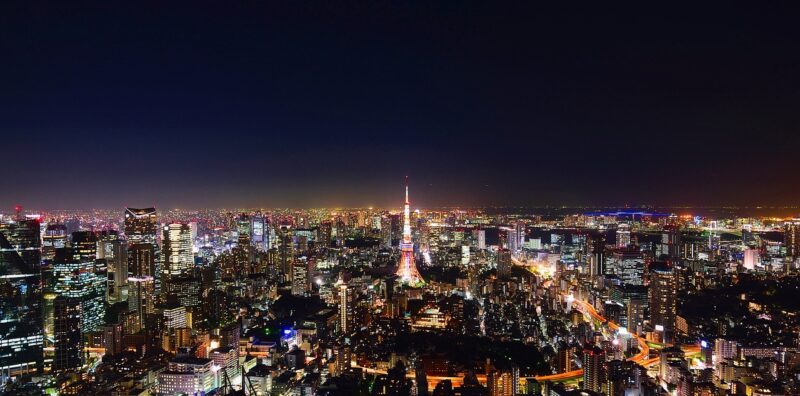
(141, 226)
(177, 244)
(407, 269)
(594, 359)
(84, 245)
(55, 236)
(300, 277)
(597, 263)
(623, 235)
(243, 229)
(115, 254)
(791, 237)
(76, 278)
(504, 263)
(21, 330)
(346, 309)
(662, 292)
(141, 280)
(68, 344)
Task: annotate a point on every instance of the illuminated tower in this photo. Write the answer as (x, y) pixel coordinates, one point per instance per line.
(407, 270)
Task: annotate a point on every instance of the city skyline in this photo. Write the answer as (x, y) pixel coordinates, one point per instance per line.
(383, 198)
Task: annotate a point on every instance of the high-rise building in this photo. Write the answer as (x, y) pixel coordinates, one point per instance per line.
(141, 279)
(325, 231)
(286, 251)
(346, 309)
(115, 254)
(504, 263)
(175, 317)
(77, 278)
(141, 226)
(68, 338)
(791, 237)
(84, 245)
(113, 338)
(407, 269)
(623, 236)
(627, 264)
(300, 277)
(597, 263)
(21, 332)
(243, 229)
(662, 290)
(55, 237)
(594, 359)
(177, 244)
(750, 258)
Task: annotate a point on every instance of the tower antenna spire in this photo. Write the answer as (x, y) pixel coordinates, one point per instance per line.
(407, 190)
(407, 269)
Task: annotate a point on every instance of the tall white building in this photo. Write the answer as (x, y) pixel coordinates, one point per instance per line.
(177, 247)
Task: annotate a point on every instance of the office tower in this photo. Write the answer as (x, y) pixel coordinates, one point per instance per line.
(113, 337)
(141, 279)
(55, 237)
(286, 251)
(176, 241)
(21, 332)
(623, 236)
(597, 262)
(662, 292)
(635, 301)
(257, 230)
(185, 290)
(407, 269)
(750, 258)
(594, 359)
(512, 240)
(84, 245)
(68, 337)
(791, 237)
(243, 229)
(669, 356)
(344, 357)
(628, 265)
(300, 277)
(230, 335)
(141, 226)
(325, 230)
(115, 254)
(504, 263)
(671, 243)
(346, 309)
(481, 238)
(503, 382)
(76, 278)
(175, 317)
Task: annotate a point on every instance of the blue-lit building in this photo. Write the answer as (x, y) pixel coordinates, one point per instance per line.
(81, 280)
(21, 330)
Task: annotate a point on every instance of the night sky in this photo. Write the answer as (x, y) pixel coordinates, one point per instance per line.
(308, 104)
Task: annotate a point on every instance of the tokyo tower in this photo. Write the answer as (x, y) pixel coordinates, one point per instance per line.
(407, 270)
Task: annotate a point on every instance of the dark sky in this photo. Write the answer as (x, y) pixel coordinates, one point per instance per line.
(332, 103)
